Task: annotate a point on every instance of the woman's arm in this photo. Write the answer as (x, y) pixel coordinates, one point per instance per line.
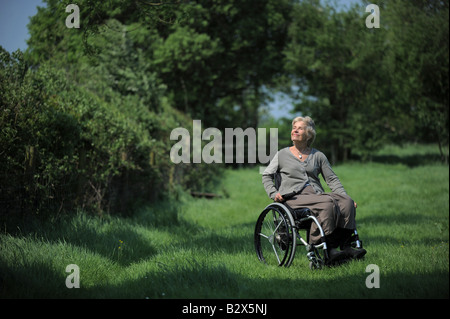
(330, 176)
(268, 175)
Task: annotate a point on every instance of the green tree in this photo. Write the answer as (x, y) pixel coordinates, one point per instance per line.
(216, 60)
(337, 64)
(98, 114)
(212, 56)
(418, 33)
(366, 87)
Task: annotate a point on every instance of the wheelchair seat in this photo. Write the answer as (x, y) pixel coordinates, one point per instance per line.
(300, 213)
(300, 218)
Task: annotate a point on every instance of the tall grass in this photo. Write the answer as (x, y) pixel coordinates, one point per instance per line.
(204, 248)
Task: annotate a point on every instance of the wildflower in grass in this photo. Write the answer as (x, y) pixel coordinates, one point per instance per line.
(120, 249)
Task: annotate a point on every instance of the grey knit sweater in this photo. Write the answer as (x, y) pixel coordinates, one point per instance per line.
(296, 174)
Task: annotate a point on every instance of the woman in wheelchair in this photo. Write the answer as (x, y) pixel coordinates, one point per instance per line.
(299, 167)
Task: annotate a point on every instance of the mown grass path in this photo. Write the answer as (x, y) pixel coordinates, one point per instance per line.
(204, 248)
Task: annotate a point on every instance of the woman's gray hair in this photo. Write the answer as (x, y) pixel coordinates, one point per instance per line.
(310, 127)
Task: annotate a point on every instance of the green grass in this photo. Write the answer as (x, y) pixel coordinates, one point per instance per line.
(204, 248)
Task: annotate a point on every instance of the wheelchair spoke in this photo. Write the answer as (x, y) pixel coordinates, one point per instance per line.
(276, 254)
(267, 237)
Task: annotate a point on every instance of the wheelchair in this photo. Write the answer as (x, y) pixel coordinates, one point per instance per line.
(279, 230)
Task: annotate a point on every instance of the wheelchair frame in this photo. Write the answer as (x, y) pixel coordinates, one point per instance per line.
(277, 236)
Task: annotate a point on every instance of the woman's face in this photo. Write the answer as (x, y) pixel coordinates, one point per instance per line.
(298, 132)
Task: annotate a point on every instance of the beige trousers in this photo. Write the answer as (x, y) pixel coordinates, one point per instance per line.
(331, 210)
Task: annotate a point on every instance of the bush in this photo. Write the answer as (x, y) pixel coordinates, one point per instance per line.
(65, 147)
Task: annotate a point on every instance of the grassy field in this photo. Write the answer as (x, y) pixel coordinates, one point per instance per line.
(204, 248)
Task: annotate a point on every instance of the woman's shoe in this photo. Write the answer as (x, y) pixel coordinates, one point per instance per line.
(345, 239)
(336, 255)
(354, 253)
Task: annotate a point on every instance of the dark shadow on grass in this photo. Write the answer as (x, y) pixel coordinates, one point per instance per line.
(202, 281)
(35, 280)
(194, 280)
(115, 238)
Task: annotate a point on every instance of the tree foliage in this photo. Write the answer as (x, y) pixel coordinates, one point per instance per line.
(367, 87)
(86, 114)
(418, 61)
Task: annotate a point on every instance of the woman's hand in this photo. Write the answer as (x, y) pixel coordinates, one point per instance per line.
(279, 198)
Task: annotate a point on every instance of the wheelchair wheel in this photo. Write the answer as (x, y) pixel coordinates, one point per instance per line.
(275, 238)
(315, 260)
